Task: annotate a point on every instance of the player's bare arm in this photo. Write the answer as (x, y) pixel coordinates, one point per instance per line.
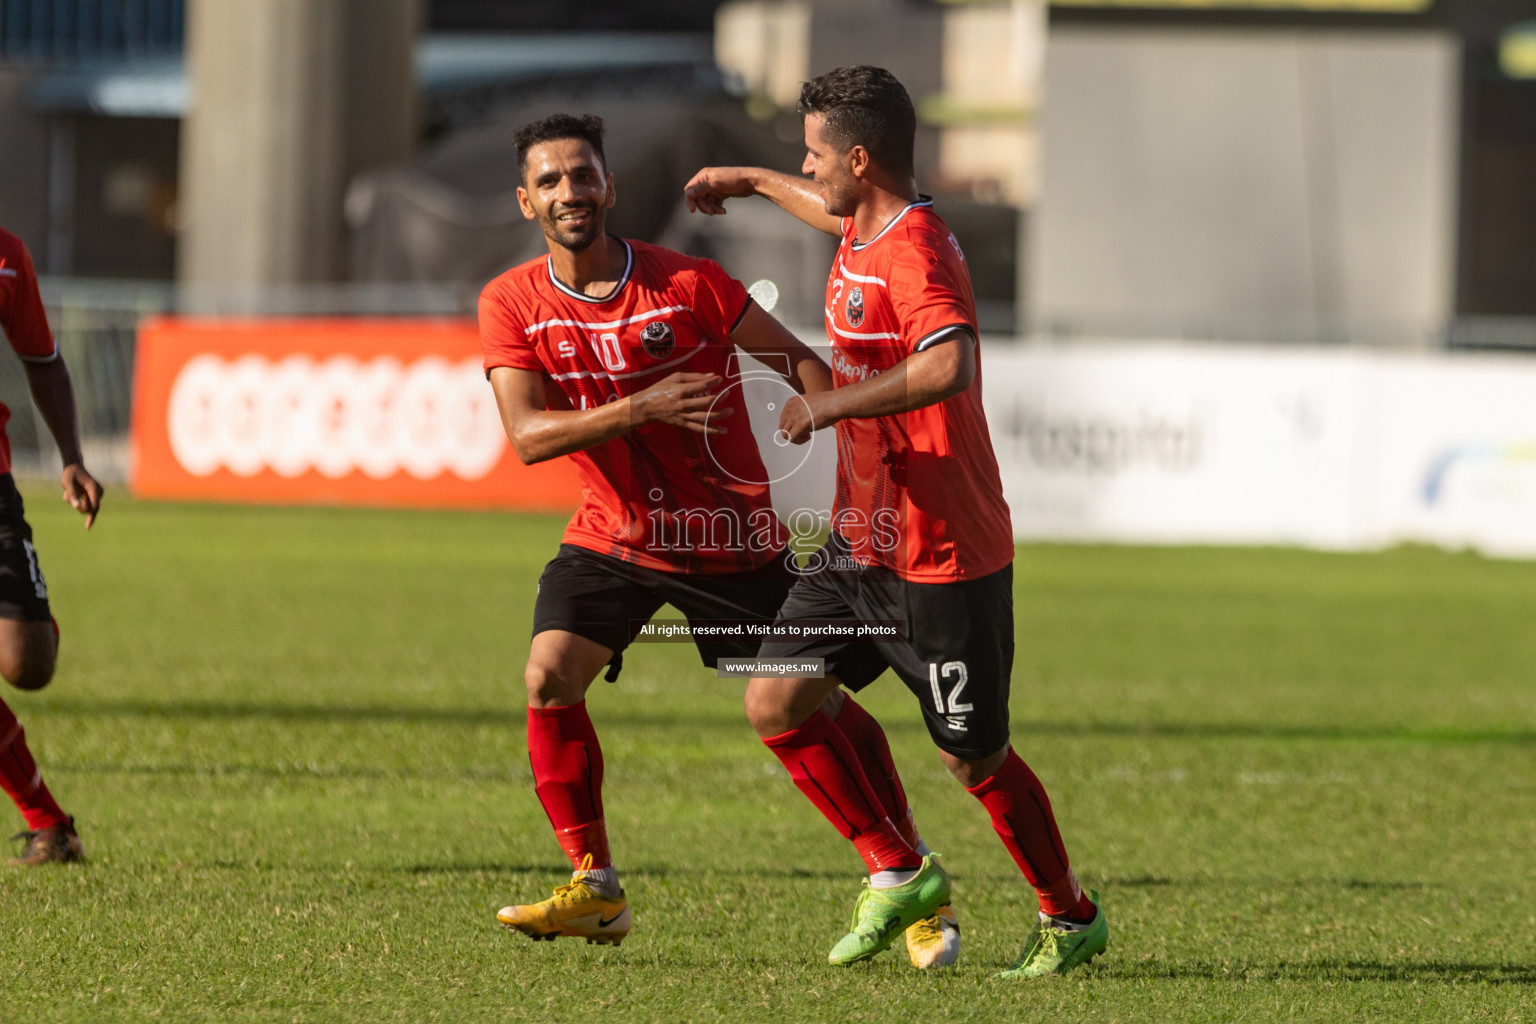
(538, 433)
(707, 191)
(759, 333)
(55, 398)
(922, 379)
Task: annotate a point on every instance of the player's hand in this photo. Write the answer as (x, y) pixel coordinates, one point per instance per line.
(683, 400)
(82, 492)
(798, 420)
(707, 191)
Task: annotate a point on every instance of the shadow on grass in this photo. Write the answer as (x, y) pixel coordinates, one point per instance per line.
(487, 867)
(476, 868)
(646, 872)
(1137, 882)
(512, 717)
(216, 711)
(1247, 731)
(552, 869)
(1337, 970)
(1372, 883)
(288, 771)
(1307, 884)
(657, 872)
(977, 876)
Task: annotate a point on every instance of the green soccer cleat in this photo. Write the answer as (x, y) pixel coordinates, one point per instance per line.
(882, 914)
(1051, 949)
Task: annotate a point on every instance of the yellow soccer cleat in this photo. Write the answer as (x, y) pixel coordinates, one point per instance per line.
(576, 909)
(935, 941)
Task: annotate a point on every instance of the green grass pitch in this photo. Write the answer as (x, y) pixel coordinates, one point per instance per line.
(1304, 783)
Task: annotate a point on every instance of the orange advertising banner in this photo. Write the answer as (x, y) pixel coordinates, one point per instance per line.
(327, 411)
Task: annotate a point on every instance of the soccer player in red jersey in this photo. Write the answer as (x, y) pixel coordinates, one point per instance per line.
(617, 353)
(920, 531)
(28, 634)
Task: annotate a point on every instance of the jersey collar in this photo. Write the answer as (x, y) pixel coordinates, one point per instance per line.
(922, 200)
(629, 266)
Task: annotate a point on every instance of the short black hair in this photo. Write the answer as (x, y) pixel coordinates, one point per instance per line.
(587, 127)
(865, 106)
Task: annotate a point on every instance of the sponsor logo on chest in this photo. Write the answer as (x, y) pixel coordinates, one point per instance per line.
(850, 370)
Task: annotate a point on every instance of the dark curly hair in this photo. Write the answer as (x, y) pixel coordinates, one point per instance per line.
(587, 127)
(865, 106)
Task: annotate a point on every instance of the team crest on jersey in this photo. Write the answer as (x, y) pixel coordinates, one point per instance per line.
(657, 339)
(854, 308)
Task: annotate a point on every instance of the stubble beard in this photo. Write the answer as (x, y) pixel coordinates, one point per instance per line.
(837, 202)
(574, 239)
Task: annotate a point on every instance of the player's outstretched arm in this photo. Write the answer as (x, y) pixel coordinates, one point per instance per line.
(760, 333)
(538, 433)
(55, 398)
(922, 379)
(707, 191)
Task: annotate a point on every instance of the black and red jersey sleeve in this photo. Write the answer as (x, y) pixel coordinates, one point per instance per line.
(719, 300)
(21, 305)
(930, 294)
(503, 336)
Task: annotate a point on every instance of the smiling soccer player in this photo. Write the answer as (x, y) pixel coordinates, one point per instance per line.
(913, 452)
(613, 352)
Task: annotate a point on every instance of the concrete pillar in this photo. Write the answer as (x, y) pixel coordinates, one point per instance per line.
(290, 98)
(24, 167)
(974, 68)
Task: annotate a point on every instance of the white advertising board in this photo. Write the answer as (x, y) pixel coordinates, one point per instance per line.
(1453, 457)
(1178, 444)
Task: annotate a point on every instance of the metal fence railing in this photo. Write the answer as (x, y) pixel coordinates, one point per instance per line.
(96, 324)
(97, 345)
(69, 31)
(1493, 333)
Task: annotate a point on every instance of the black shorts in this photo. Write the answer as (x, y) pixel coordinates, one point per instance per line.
(607, 600)
(957, 656)
(23, 592)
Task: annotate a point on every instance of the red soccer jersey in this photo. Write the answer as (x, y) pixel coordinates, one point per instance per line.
(22, 318)
(659, 496)
(918, 492)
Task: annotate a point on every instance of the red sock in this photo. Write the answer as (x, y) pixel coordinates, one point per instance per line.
(1021, 814)
(874, 754)
(827, 771)
(20, 778)
(568, 776)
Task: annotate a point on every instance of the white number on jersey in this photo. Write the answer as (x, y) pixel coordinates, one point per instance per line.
(610, 352)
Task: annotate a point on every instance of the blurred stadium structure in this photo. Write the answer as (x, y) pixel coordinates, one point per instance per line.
(1256, 169)
(1304, 172)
